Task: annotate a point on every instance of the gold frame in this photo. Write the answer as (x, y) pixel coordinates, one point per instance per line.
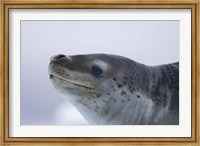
(172, 4)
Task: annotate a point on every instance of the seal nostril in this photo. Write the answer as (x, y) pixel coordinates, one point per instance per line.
(59, 56)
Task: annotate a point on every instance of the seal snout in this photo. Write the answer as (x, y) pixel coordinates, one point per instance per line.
(58, 63)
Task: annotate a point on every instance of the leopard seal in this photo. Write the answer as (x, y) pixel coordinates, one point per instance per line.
(114, 90)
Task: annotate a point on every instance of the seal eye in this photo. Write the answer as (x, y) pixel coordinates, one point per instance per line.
(96, 70)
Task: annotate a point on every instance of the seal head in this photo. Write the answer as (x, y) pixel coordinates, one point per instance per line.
(110, 89)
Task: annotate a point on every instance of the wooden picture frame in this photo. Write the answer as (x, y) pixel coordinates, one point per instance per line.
(59, 4)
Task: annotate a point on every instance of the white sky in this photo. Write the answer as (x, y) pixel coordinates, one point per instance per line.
(147, 42)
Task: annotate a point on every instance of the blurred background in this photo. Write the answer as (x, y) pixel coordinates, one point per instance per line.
(148, 42)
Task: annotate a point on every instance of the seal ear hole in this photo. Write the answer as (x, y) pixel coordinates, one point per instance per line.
(96, 70)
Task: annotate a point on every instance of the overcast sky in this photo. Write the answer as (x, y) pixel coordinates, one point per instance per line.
(147, 42)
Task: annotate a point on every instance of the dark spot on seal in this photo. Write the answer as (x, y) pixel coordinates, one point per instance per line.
(119, 86)
(99, 95)
(114, 79)
(131, 83)
(131, 89)
(157, 102)
(112, 99)
(108, 93)
(124, 83)
(123, 93)
(138, 96)
(106, 111)
(104, 101)
(51, 76)
(126, 78)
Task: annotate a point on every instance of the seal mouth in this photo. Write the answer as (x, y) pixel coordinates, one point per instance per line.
(70, 81)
